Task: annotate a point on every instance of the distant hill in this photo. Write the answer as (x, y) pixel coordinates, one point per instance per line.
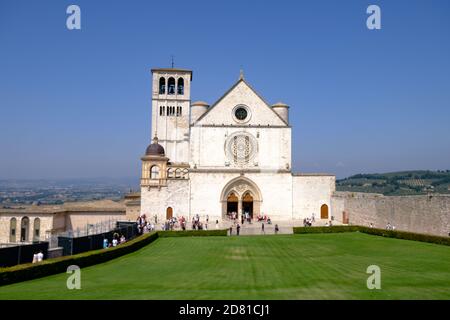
(398, 183)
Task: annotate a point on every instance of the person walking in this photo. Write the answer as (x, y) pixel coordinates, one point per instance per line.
(262, 228)
(276, 229)
(231, 230)
(238, 227)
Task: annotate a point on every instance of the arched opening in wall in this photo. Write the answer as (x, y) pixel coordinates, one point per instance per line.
(24, 228)
(180, 88)
(324, 212)
(12, 230)
(170, 173)
(171, 86)
(247, 205)
(37, 229)
(178, 173)
(162, 85)
(169, 213)
(154, 172)
(232, 204)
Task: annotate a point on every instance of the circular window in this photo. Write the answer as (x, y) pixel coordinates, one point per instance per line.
(241, 148)
(241, 114)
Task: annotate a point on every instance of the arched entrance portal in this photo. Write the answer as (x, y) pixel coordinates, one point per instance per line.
(232, 203)
(247, 204)
(169, 213)
(324, 212)
(241, 195)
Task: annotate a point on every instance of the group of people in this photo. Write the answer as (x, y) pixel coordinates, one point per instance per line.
(307, 222)
(263, 231)
(38, 257)
(232, 215)
(247, 217)
(264, 218)
(116, 240)
(143, 225)
(389, 226)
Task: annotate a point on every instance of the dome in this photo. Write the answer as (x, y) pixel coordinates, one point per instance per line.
(280, 105)
(155, 149)
(200, 103)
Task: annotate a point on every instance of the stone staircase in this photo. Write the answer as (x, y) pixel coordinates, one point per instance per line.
(255, 228)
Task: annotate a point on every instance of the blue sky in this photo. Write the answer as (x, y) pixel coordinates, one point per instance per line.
(77, 103)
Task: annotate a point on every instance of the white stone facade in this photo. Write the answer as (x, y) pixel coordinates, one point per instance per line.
(234, 155)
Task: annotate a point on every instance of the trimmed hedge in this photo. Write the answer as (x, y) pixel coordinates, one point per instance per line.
(49, 267)
(404, 235)
(332, 229)
(193, 233)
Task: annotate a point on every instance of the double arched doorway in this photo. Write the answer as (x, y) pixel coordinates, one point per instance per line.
(241, 196)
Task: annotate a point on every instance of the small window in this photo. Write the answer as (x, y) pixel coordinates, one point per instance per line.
(178, 173)
(12, 227)
(24, 227)
(162, 85)
(37, 229)
(170, 173)
(154, 172)
(180, 88)
(171, 86)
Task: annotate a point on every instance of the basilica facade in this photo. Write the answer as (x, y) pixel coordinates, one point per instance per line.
(231, 156)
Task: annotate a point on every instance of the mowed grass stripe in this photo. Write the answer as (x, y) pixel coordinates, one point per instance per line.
(312, 266)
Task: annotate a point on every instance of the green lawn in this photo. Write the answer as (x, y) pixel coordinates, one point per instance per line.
(313, 266)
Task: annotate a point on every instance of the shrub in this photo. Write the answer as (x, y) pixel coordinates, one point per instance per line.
(405, 235)
(332, 229)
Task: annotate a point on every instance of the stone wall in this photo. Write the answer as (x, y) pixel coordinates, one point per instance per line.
(45, 222)
(310, 192)
(423, 214)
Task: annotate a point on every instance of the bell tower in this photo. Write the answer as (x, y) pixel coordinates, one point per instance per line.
(171, 100)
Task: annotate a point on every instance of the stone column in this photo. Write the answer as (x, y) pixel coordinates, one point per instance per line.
(239, 209)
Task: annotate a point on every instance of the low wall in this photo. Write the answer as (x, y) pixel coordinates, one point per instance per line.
(429, 214)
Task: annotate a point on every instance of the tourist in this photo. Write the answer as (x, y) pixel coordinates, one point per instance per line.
(105, 243)
(217, 224)
(114, 242)
(35, 259)
(231, 230)
(122, 239)
(276, 229)
(40, 256)
(238, 227)
(262, 228)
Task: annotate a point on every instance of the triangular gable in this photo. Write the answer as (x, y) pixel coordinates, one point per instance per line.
(241, 93)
